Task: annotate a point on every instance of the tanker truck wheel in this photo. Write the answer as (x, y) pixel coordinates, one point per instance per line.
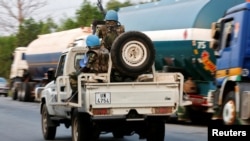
(229, 109)
(14, 93)
(132, 53)
(20, 92)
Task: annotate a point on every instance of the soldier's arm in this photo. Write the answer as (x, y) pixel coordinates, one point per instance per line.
(92, 58)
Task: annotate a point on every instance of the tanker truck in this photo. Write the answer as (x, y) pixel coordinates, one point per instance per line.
(181, 33)
(33, 66)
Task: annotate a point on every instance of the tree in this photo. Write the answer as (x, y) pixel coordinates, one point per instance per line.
(28, 31)
(115, 4)
(67, 24)
(14, 12)
(48, 27)
(7, 46)
(87, 13)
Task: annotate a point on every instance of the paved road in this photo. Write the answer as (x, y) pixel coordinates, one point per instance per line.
(20, 121)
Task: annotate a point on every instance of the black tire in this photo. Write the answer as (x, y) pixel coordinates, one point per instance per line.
(26, 90)
(132, 53)
(81, 127)
(118, 134)
(20, 92)
(14, 93)
(195, 116)
(155, 131)
(14, 88)
(229, 109)
(48, 129)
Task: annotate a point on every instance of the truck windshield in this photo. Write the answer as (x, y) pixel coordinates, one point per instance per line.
(59, 71)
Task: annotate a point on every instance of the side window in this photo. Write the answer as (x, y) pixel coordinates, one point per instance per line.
(23, 56)
(60, 66)
(227, 33)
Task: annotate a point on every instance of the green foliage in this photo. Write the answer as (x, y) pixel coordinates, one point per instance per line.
(67, 24)
(48, 27)
(115, 4)
(87, 13)
(7, 46)
(28, 31)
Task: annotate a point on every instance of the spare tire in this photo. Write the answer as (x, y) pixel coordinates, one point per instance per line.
(132, 53)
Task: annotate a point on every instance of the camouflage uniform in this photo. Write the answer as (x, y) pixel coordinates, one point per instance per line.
(109, 32)
(97, 60)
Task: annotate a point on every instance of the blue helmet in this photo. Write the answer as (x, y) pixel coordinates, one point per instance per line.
(92, 40)
(111, 15)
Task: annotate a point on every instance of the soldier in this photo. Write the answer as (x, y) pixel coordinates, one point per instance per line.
(94, 61)
(110, 30)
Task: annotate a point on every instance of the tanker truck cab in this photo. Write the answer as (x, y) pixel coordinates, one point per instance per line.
(231, 43)
(17, 69)
(122, 108)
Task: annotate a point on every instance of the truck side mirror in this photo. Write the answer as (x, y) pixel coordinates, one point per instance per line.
(215, 34)
(51, 74)
(215, 29)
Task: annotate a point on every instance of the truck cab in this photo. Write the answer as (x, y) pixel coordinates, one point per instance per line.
(232, 48)
(19, 62)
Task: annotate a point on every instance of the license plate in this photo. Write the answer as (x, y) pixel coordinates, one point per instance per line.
(102, 98)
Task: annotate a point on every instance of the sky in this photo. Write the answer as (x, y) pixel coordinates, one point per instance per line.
(63, 9)
(58, 9)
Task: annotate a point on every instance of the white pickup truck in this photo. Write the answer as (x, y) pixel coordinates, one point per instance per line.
(121, 108)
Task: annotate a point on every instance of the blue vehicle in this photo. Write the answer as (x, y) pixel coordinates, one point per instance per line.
(181, 33)
(231, 44)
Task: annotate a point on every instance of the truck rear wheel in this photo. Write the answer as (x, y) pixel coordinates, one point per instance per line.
(26, 91)
(229, 109)
(118, 134)
(49, 131)
(81, 127)
(156, 131)
(20, 93)
(14, 93)
(132, 53)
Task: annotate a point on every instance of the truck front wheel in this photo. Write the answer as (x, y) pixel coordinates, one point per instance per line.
(81, 127)
(49, 130)
(156, 131)
(229, 109)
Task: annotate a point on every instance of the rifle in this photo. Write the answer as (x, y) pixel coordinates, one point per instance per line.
(98, 22)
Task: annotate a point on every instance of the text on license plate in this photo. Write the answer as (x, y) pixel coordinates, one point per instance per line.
(102, 97)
